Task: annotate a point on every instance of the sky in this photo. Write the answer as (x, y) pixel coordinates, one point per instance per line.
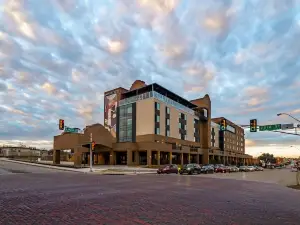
(58, 57)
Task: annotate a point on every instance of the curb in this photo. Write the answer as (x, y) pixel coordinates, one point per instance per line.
(45, 166)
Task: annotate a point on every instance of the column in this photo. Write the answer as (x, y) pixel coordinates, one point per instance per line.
(189, 158)
(149, 157)
(205, 157)
(158, 158)
(56, 156)
(170, 159)
(111, 158)
(181, 158)
(129, 157)
(197, 159)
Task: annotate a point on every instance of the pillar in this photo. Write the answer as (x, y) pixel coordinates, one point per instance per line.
(158, 158)
(56, 156)
(149, 158)
(170, 159)
(189, 158)
(129, 157)
(111, 158)
(181, 158)
(197, 159)
(205, 157)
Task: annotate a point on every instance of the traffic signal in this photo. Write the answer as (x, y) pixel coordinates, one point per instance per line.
(223, 125)
(93, 145)
(253, 125)
(61, 124)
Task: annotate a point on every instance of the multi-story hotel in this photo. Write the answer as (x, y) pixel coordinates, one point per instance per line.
(150, 125)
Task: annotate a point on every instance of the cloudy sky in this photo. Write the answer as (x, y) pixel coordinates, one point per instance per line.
(57, 57)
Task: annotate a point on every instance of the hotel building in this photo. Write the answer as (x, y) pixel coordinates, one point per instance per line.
(150, 125)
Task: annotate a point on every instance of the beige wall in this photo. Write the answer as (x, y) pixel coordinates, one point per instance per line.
(145, 117)
(174, 120)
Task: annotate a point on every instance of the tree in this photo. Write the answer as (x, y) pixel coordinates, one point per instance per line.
(267, 157)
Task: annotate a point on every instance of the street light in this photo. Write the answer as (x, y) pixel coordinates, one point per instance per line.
(280, 114)
(294, 147)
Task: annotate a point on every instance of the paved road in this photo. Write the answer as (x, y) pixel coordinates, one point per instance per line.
(8, 168)
(75, 198)
(279, 176)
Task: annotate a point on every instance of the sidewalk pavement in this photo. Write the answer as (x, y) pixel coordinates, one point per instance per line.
(96, 169)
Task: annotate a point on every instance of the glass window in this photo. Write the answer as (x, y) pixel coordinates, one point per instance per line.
(157, 118)
(179, 125)
(129, 109)
(168, 133)
(129, 133)
(185, 116)
(168, 110)
(157, 106)
(157, 130)
(129, 122)
(168, 122)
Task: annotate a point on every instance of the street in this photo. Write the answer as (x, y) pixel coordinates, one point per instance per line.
(55, 197)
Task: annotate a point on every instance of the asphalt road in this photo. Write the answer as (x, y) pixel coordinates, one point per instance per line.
(9, 168)
(74, 198)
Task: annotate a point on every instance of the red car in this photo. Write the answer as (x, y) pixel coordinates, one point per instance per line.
(222, 169)
(168, 169)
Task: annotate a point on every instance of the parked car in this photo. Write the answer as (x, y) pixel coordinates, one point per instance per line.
(251, 168)
(294, 169)
(207, 169)
(222, 169)
(234, 169)
(172, 168)
(244, 169)
(258, 168)
(190, 169)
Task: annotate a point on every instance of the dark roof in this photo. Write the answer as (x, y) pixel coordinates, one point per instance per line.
(160, 89)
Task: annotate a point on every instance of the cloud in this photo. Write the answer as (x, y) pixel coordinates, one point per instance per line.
(58, 58)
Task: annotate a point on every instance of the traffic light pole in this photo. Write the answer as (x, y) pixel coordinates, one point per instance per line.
(91, 153)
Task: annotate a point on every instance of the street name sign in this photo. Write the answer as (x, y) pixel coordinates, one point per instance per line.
(71, 130)
(270, 127)
(287, 126)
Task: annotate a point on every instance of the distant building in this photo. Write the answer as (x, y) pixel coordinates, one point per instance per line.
(20, 151)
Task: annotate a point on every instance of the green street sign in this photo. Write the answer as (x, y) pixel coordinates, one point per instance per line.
(270, 127)
(71, 130)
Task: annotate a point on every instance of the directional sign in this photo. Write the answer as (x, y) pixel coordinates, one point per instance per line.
(270, 127)
(287, 126)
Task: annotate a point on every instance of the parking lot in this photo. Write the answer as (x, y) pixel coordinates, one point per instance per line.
(280, 176)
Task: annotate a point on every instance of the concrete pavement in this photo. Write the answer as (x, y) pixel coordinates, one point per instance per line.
(152, 199)
(96, 169)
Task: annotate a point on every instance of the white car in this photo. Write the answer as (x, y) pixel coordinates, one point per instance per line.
(294, 169)
(251, 168)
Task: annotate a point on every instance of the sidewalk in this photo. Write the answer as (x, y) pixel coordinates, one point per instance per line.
(124, 170)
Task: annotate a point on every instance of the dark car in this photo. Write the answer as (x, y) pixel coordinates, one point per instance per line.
(207, 169)
(222, 169)
(167, 169)
(190, 169)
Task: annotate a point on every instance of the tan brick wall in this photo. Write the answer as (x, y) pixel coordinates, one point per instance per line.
(145, 117)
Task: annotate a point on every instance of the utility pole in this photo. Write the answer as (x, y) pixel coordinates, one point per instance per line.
(91, 153)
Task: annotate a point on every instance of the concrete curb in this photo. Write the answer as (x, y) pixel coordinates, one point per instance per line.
(44, 166)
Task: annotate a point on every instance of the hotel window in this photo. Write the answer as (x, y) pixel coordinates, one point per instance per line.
(168, 110)
(157, 106)
(157, 119)
(179, 125)
(168, 133)
(168, 121)
(185, 117)
(157, 130)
